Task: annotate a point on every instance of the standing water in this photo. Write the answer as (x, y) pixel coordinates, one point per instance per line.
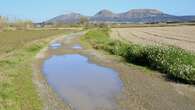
(84, 85)
(77, 46)
(55, 45)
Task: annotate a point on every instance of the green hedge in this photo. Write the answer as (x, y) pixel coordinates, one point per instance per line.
(175, 62)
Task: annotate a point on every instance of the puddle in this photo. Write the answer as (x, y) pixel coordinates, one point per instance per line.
(77, 46)
(86, 86)
(55, 45)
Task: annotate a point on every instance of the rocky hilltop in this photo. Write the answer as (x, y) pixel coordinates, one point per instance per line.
(131, 16)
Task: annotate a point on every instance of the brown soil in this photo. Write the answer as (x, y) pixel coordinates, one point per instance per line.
(180, 36)
(143, 89)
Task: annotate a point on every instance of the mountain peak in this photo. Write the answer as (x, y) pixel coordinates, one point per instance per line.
(105, 13)
(140, 13)
(72, 14)
(154, 11)
(67, 18)
(134, 16)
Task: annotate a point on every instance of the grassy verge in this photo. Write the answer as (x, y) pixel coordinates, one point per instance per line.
(177, 63)
(18, 48)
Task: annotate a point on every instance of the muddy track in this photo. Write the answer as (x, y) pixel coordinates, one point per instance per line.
(50, 100)
(143, 89)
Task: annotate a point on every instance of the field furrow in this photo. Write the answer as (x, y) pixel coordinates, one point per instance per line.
(182, 36)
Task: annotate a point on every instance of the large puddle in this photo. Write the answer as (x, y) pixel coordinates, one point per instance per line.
(86, 86)
(77, 46)
(55, 45)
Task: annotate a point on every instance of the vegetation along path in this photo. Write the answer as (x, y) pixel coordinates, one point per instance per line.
(17, 51)
(142, 89)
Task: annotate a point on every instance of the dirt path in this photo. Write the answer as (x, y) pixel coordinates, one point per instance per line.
(50, 100)
(143, 89)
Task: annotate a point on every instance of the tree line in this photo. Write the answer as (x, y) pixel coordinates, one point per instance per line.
(6, 24)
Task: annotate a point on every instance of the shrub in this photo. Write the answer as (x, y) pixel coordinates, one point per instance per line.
(136, 54)
(117, 48)
(175, 62)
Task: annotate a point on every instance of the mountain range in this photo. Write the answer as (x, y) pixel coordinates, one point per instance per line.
(131, 16)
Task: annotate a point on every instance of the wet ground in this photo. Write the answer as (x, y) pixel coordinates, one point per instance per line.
(77, 46)
(78, 81)
(142, 89)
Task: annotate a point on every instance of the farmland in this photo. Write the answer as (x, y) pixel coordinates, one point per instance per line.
(18, 48)
(152, 91)
(17, 51)
(175, 62)
(180, 36)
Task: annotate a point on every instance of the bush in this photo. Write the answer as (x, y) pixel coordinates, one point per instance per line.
(117, 48)
(136, 55)
(175, 62)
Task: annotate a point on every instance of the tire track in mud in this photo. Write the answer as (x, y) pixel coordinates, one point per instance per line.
(141, 91)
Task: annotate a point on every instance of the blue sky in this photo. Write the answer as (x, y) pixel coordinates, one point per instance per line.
(39, 10)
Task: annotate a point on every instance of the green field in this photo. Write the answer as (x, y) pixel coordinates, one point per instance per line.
(176, 63)
(17, 50)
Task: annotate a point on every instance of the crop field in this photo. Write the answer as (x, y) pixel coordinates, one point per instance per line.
(17, 50)
(177, 63)
(180, 36)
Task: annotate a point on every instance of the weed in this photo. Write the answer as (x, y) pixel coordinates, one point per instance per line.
(175, 62)
(18, 48)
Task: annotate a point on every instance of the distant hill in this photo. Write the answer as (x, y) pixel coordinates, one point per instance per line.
(66, 18)
(132, 16)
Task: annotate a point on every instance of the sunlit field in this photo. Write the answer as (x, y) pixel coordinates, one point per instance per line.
(180, 36)
(97, 55)
(177, 63)
(17, 50)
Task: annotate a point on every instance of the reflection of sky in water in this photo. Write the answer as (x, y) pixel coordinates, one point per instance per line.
(55, 45)
(77, 46)
(84, 85)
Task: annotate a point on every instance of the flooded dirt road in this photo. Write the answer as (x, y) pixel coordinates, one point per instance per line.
(79, 81)
(87, 79)
(86, 86)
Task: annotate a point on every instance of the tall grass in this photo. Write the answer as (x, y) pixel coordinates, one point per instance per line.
(177, 63)
(17, 91)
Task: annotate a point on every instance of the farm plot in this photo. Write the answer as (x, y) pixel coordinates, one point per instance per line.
(180, 36)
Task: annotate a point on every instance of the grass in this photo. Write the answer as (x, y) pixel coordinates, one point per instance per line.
(177, 63)
(18, 48)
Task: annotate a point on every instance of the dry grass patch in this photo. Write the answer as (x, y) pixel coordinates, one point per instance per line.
(18, 48)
